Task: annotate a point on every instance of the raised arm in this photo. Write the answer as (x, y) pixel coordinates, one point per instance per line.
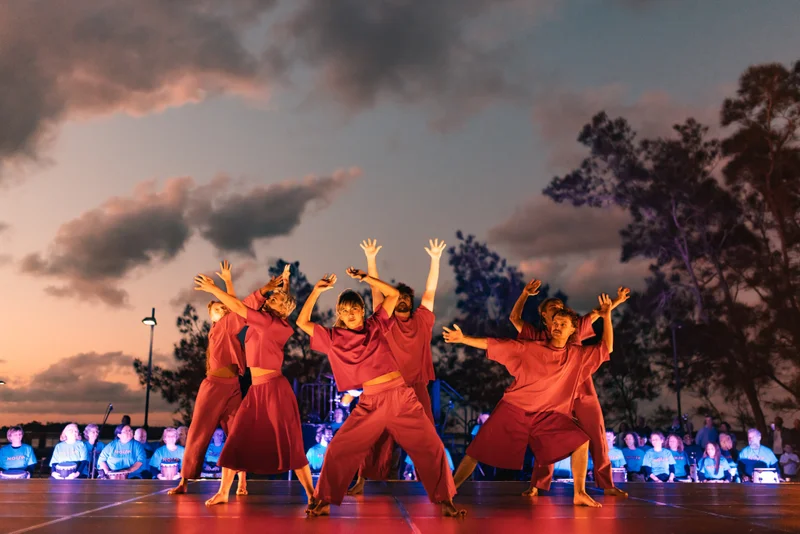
(371, 249)
(531, 289)
(435, 252)
(226, 276)
(390, 293)
(304, 317)
(457, 336)
(608, 329)
(623, 294)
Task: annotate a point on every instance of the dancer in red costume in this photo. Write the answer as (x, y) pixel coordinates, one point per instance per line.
(410, 341)
(360, 356)
(536, 410)
(266, 436)
(587, 406)
(219, 396)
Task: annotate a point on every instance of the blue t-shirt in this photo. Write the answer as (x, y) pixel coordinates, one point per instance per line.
(162, 453)
(19, 458)
(315, 456)
(69, 452)
(681, 463)
(98, 448)
(633, 458)
(213, 452)
(122, 456)
(410, 462)
(706, 467)
(658, 461)
(763, 457)
(616, 457)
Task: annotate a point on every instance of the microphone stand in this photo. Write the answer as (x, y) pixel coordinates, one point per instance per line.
(94, 445)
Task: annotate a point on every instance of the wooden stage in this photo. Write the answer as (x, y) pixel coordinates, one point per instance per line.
(122, 507)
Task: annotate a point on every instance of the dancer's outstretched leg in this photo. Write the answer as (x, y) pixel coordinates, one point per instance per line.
(580, 464)
(221, 497)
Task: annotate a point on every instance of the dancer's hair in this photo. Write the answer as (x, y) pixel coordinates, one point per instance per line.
(348, 297)
(545, 302)
(406, 290)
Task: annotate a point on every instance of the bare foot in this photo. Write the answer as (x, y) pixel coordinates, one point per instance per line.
(583, 499)
(218, 498)
(178, 490)
(242, 490)
(615, 492)
(319, 508)
(449, 510)
(532, 491)
(358, 487)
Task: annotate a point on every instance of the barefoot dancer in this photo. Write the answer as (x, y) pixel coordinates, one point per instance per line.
(587, 405)
(536, 409)
(266, 436)
(219, 396)
(359, 355)
(410, 341)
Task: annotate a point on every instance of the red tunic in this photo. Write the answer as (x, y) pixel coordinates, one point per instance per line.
(410, 342)
(357, 356)
(583, 331)
(545, 379)
(265, 339)
(224, 347)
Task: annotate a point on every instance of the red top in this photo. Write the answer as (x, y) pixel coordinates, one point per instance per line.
(583, 331)
(357, 356)
(266, 335)
(410, 342)
(545, 379)
(224, 347)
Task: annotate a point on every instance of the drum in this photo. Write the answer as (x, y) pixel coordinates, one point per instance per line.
(619, 474)
(169, 468)
(14, 474)
(117, 476)
(65, 469)
(765, 476)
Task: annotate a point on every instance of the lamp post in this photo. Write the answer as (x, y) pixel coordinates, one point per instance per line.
(675, 327)
(151, 322)
(2, 383)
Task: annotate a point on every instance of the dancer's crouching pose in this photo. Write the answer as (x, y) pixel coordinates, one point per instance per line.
(536, 410)
(266, 436)
(359, 355)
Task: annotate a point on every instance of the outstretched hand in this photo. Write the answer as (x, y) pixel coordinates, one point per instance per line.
(276, 282)
(325, 283)
(370, 248)
(605, 305)
(204, 283)
(623, 294)
(356, 274)
(435, 248)
(453, 336)
(287, 272)
(532, 287)
(225, 271)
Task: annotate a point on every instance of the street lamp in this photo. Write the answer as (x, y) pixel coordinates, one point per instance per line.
(2, 383)
(151, 322)
(675, 327)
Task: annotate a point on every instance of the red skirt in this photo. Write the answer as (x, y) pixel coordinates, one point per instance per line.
(266, 436)
(501, 441)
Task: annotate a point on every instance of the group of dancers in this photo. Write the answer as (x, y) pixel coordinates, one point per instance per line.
(551, 406)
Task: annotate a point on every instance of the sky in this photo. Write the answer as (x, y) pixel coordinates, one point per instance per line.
(144, 141)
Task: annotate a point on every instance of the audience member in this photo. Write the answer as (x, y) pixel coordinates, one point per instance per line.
(789, 462)
(614, 454)
(183, 432)
(210, 468)
(338, 419)
(71, 449)
(482, 418)
(16, 455)
(693, 451)
(707, 434)
(169, 451)
(713, 467)
(410, 473)
(675, 446)
(641, 428)
(126, 420)
(755, 456)
(633, 457)
(316, 454)
(123, 455)
(725, 427)
(729, 451)
(91, 433)
(658, 464)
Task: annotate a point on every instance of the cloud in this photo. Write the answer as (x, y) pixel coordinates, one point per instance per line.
(438, 51)
(76, 59)
(80, 384)
(199, 299)
(4, 227)
(559, 115)
(236, 221)
(6, 259)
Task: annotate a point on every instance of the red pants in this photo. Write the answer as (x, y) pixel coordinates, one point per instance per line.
(215, 406)
(502, 440)
(266, 436)
(391, 407)
(378, 462)
(590, 418)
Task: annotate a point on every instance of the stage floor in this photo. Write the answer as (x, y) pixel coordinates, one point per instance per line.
(114, 507)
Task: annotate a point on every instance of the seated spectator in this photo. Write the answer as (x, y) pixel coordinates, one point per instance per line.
(140, 435)
(725, 428)
(675, 446)
(713, 467)
(633, 457)
(410, 473)
(169, 451)
(614, 454)
(338, 420)
(183, 432)
(17, 456)
(729, 451)
(210, 468)
(789, 462)
(123, 455)
(642, 441)
(755, 456)
(72, 450)
(91, 435)
(658, 464)
(316, 454)
(692, 450)
(707, 434)
(482, 418)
